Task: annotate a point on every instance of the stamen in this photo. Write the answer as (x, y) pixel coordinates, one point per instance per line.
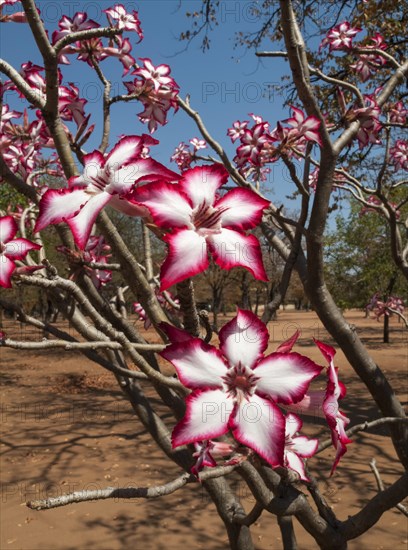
(207, 217)
(240, 381)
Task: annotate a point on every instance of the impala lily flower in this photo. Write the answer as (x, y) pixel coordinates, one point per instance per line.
(88, 50)
(252, 142)
(182, 156)
(201, 222)
(297, 447)
(398, 113)
(198, 143)
(336, 420)
(237, 388)
(325, 404)
(79, 22)
(399, 154)
(164, 301)
(206, 451)
(237, 130)
(12, 249)
(106, 179)
(70, 105)
(306, 127)
(340, 37)
(126, 21)
(393, 304)
(157, 75)
(370, 125)
(7, 114)
(367, 65)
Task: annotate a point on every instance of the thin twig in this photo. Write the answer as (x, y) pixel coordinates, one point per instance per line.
(362, 428)
(69, 346)
(129, 492)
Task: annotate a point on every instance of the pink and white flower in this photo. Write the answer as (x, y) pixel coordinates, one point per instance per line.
(297, 447)
(325, 404)
(370, 125)
(70, 105)
(201, 222)
(366, 65)
(340, 37)
(237, 388)
(207, 451)
(167, 302)
(198, 144)
(156, 90)
(398, 113)
(335, 391)
(88, 50)
(379, 306)
(124, 20)
(158, 76)
(106, 179)
(12, 249)
(237, 130)
(306, 127)
(253, 141)
(79, 22)
(399, 154)
(182, 156)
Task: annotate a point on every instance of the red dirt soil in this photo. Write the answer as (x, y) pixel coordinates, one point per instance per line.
(66, 427)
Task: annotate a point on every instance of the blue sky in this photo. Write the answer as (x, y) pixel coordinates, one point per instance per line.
(224, 84)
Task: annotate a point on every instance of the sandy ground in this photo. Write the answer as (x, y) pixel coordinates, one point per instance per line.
(66, 427)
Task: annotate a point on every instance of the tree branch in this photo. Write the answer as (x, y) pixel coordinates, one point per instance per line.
(359, 523)
(33, 96)
(381, 487)
(363, 427)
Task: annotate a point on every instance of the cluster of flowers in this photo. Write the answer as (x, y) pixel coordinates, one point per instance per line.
(21, 145)
(93, 50)
(379, 306)
(399, 154)
(368, 116)
(96, 251)
(156, 90)
(238, 389)
(188, 209)
(341, 37)
(183, 156)
(152, 86)
(260, 146)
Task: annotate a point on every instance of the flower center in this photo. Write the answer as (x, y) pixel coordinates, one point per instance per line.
(241, 382)
(207, 219)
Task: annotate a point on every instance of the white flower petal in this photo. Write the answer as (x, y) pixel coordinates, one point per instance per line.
(207, 417)
(244, 339)
(260, 424)
(285, 377)
(202, 182)
(187, 256)
(198, 365)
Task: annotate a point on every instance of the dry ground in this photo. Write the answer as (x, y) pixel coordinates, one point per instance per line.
(65, 427)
